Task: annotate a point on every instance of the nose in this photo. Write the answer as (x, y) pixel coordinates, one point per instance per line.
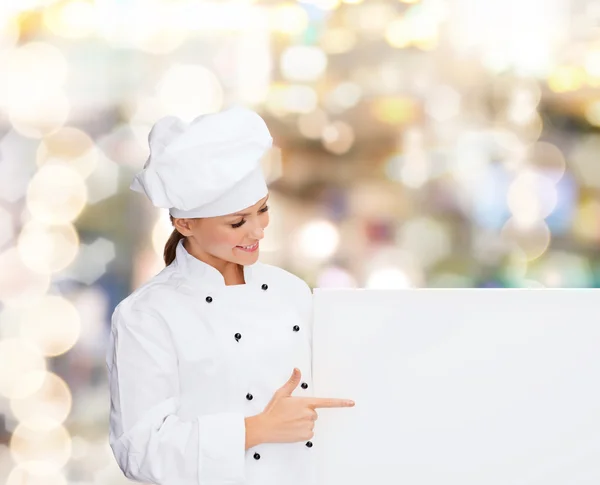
(257, 233)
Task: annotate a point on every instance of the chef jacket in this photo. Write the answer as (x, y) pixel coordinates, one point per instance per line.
(189, 358)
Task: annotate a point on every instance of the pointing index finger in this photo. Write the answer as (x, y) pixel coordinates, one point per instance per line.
(320, 402)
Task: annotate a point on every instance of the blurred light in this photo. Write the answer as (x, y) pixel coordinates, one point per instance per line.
(426, 239)
(532, 239)
(388, 278)
(253, 64)
(549, 158)
(531, 197)
(397, 33)
(47, 407)
(21, 476)
(337, 40)
(370, 18)
(318, 240)
(19, 285)
(190, 90)
(450, 280)
(394, 110)
(344, 96)
(288, 18)
(303, 63)
(566, 78)
(22, 368)
(338, 137)
(92, 261)
(586, 224)
(9, 32)
(561, 269)
(53, 324)
(443, 103)
(47, 249)
(73, 19)
(592, 113)
(283, 100)
(583, 160)
(70, 146)
(413, 168)
(335, 277)
(40, 452)
(311, 125)
(103, 182)
(522, 106)
(592, 63)
(323, 4)
(56, 195)
(37, 117)
(32, 71)
(7, 231)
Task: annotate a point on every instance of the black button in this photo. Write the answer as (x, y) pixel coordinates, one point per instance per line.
(264, 286)
(256, 456)
(209, 299)
(238, 336)
(296, 328)
(304, 385)
(309, 444)
(249, 396)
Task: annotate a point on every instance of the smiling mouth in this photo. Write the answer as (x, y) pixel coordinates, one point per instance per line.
(249, 248)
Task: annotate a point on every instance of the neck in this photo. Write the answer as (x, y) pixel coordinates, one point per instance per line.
(233, 273)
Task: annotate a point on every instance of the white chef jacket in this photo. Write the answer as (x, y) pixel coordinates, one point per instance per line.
(189, 358)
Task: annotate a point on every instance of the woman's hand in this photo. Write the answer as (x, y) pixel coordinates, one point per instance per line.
(289, 419)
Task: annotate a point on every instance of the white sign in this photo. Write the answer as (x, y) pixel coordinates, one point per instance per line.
(458, 386)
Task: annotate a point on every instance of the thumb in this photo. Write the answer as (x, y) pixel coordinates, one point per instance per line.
(291, 384)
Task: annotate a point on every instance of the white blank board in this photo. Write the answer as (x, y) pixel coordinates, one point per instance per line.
(458, 386)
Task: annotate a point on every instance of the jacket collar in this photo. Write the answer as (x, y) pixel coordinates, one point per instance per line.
(203, 273)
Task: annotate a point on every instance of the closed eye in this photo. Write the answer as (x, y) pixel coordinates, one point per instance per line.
(241, 223)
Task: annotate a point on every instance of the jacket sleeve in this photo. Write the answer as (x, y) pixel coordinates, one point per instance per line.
(150, 442)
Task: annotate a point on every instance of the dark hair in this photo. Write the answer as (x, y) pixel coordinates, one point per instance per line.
(171, 246)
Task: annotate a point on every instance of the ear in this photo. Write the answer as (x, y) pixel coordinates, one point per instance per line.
(184, 226)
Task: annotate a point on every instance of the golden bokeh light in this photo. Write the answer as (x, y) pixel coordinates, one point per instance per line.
(40, 452)
(53, 324)
(56, 194)
(22, 368)
(288, 18)
(338, 137)
(189, 90)
(31, 72)
(73, 19)
(71, 146)
(19, 285)
(531, 197)
(312, 124)
(532, 238)
(394, 110)
(46, 408)
(303, 63)
(38, 117)
(47, 248)
(21, 476)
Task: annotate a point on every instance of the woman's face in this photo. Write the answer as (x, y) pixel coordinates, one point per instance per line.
(222, 236)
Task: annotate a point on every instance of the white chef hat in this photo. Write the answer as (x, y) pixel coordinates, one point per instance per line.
(208, 167)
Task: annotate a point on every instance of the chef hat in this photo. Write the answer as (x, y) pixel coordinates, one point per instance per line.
(208, 167)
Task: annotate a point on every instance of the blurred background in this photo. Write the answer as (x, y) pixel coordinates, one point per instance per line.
(431, 143)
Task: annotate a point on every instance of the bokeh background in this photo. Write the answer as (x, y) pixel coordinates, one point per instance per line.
(431, 143)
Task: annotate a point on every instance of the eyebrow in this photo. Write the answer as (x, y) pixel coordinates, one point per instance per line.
(237, 214)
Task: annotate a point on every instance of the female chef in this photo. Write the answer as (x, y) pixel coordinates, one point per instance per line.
(200, 356)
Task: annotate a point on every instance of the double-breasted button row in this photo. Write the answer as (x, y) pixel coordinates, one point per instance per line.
(209, 299)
